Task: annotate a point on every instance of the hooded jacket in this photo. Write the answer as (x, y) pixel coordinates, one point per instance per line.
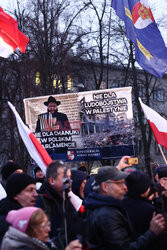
(14, 239)
(109, 227)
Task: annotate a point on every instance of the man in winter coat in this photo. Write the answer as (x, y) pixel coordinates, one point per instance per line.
(51, 200)
(140, 210)
(21, 192)
(109, 226)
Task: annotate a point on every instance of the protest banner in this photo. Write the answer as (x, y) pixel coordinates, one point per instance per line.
(86, 126)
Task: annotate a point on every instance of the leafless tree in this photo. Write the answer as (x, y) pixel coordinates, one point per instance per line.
(54, 31)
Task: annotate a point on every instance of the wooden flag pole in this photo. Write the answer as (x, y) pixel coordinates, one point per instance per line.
(162, 153)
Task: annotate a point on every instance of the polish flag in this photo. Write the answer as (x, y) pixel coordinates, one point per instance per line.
(10, 36)
(158, 124)
(40, 155)
(34, 147)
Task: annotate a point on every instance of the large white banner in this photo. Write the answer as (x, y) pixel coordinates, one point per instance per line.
(80, 126)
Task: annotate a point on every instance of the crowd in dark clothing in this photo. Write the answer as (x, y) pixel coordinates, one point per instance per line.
(52, 203)
(112, 209)
(139, 209)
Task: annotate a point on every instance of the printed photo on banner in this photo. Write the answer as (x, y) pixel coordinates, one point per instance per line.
(82, 126)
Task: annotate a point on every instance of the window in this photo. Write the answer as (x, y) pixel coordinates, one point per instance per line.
(159, 95)
(69, 82)
(57, 82)
(37, 78)
(114, 84)
(142, 92)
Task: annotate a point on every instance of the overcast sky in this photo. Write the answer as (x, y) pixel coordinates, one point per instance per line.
(158, 7)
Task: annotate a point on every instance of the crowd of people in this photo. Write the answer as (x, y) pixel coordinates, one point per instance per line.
(69, 209)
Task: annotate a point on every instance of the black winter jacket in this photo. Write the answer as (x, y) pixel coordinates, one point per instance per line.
(140, 212)
(109, 227)
(6, 205)
(52, 203)
(61, 122)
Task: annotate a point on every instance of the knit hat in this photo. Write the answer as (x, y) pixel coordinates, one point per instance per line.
(156, 170)
(36, 169)
(162, 172)
(109, 173)
(137, 182)
(16, 183)
(20, 218)
(88, 186)
(77, 177)
(8, 169)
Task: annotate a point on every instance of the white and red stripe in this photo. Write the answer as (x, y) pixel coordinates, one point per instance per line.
(157, 123)
(34, 147)
(138, 21)
(10, 36)
(40, 155)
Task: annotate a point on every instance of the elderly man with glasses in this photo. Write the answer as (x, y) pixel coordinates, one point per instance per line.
(109, 227)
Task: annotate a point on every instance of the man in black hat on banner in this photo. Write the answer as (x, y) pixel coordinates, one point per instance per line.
(52, 120)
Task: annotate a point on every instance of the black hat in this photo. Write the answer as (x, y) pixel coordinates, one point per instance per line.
(36, 169)
(162, 172)
(89, 185)
(16, 183)
(109, 173)
(8, 169)
(157, 169)
(138, 182)
(51, 99)
(77, 177)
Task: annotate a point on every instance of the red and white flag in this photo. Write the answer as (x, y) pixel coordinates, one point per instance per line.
(34, 147)
(10, 36)
(157, 123)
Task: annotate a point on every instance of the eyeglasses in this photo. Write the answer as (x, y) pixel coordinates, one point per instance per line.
(45, 224)
(117, 182)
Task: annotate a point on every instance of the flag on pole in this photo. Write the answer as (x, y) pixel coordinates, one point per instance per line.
(10, 36)
(34, 147)
(157, 123)
(2, 192)
(40, 155)
(141, 29)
